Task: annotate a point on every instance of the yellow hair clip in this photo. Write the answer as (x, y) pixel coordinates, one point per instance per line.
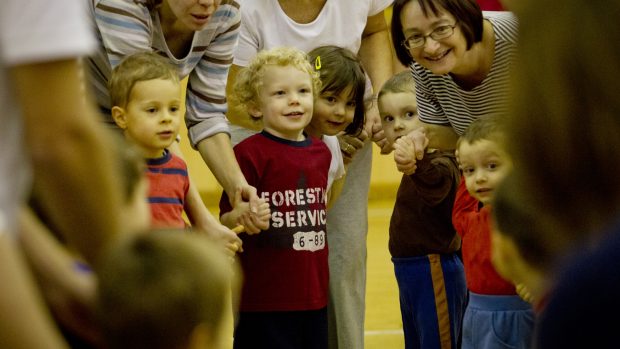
(317, 63)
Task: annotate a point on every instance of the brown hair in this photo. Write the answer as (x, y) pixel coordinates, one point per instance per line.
(487, 127)
(155, 288)
(338, 69)
(137, 67)
(402, 82)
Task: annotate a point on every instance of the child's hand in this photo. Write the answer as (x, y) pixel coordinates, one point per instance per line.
(224, 236)
(524, 293)
(409, 149)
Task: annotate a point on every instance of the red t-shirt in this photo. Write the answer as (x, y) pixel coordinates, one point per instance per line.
(285, 267)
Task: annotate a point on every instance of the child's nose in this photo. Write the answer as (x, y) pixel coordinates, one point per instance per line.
(398, 124)
(339, 109)
(167, 117)
(481, 176)
(294, 98)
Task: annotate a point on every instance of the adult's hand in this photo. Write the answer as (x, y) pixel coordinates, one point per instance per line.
(257, 217)
(349, 145)
(374, 129)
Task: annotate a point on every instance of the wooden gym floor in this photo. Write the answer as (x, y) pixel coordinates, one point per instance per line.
(383, 327)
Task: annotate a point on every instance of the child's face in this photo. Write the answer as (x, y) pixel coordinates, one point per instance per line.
(285, 101)
(484, 165)
(153, 115)
(399, 114)
(332, 113)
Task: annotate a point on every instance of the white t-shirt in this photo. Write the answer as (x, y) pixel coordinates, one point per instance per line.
(31, 31)
(336, 167)
(340, 23)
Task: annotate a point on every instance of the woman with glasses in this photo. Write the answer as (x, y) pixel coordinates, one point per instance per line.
(460, 58)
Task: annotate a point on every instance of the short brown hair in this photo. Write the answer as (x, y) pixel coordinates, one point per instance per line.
(155, 288)
(402, 82)
(137, 67)
(487, 127)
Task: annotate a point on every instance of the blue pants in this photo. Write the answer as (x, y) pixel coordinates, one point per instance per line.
(433, 296)
(497, 322)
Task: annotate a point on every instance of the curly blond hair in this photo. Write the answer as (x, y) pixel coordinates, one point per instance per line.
(249, 81)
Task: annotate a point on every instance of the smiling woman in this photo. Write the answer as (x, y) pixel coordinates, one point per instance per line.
(459, 57)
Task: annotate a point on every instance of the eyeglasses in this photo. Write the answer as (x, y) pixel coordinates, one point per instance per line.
(417, 40)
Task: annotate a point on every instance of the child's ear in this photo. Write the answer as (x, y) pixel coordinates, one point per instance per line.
(255, 111)
(119, 116)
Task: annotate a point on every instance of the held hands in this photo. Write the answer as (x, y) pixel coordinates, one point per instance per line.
(224, 236)
(252, 218)
(409, 149)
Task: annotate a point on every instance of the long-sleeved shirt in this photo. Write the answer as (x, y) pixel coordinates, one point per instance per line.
(128, 26)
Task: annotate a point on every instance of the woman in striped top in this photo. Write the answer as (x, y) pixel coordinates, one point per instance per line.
(198, 38)
(460, 58)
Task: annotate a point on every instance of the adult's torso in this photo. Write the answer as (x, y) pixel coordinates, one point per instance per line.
(264, 25)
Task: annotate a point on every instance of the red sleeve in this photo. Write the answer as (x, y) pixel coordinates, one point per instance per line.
(464, 209)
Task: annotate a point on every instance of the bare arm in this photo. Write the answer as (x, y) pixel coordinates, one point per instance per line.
(22, 308)
(69, 293)
(375, 51)
(199, 215)
(376, 56)
(74, 169)
(218, 155)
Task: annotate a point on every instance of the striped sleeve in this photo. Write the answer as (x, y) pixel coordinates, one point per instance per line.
(125, 28)
(206, 89)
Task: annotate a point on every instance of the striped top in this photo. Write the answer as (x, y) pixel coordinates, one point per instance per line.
(168, 187)
(128, 26)
(442, 101)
